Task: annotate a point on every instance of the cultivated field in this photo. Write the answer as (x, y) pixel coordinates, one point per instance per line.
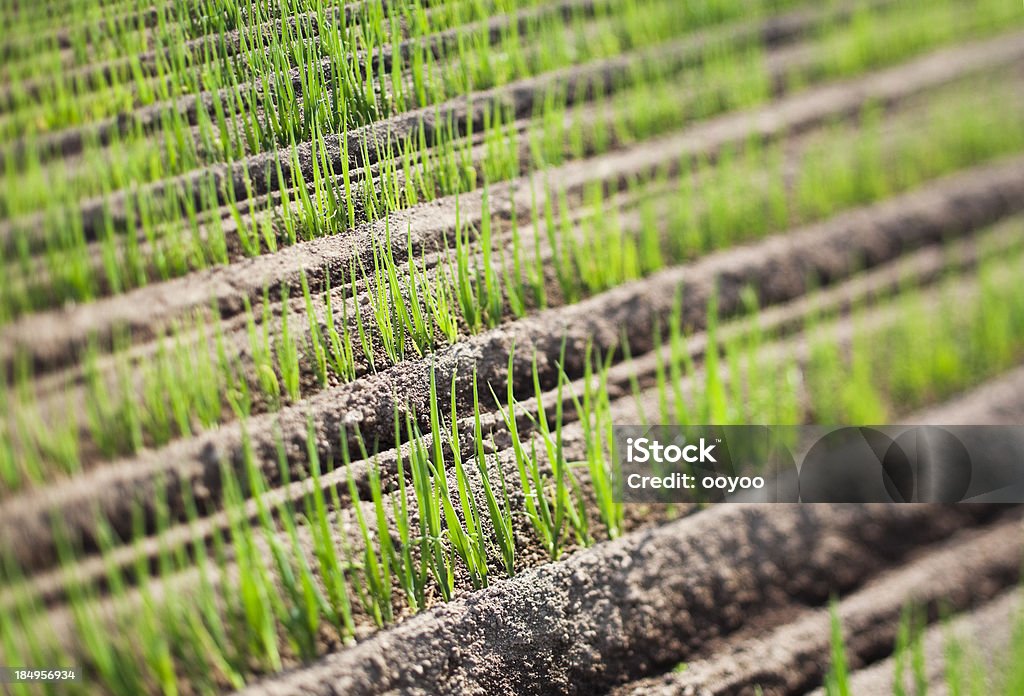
(315, 320)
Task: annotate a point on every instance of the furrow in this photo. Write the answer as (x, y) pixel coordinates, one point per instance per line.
(578, 82)
(922, 268)
(269, 206)
(67, 332)
(228, 44)
(627, 409)
(987, 630)
(56, 390)
(972, 567)
(72, 141)
(779, 268)
(626, 608)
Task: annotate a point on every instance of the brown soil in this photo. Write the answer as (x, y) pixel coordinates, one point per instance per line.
(145, 310)
(72, 140)
(984, 632)
(921, 268)
(780, 62)
(95, 75)
(779, 268)
(793, 655)
(56, 389)
(739, 593)
(643, 603)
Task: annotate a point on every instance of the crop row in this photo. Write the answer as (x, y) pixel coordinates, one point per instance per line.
(383, 62)
(796, 113)
(408, 310)
(209, 132)
(129, 69)
(826, 252)
(439, 521)
(313, 341)
(642, 372)
(163, 247)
